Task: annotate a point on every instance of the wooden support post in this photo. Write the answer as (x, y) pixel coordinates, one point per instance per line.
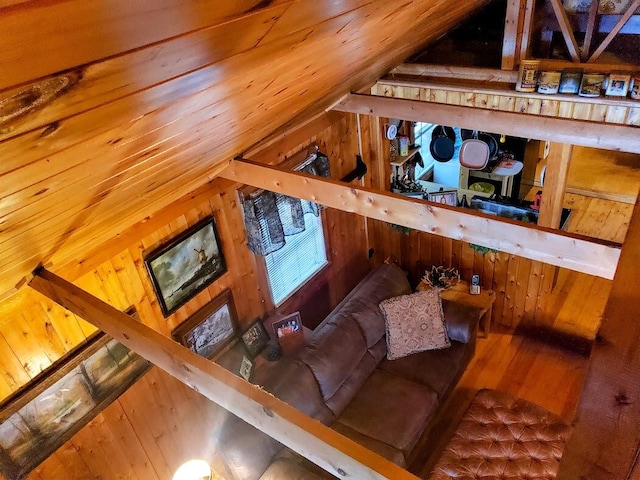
(605, 442)
(574, 252)
(327, 448)
(575, 132)
(591, 28)
(513, 24)
(527, 28)
(555, 184)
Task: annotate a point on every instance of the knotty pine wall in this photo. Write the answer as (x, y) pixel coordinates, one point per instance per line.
(159, 423)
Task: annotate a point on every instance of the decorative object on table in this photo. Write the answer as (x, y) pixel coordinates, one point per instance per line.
(211, 328)
(445, 197)
(414, 323)
(474, 288)
(441, 277)
(549, 82)
(246, 368)
(570, 80)
(273, 351)
(186, 265)
(618, 85)
(288, 330)
(528, 75)
(591, 84)
(46, 412)
(403, 145)
(255, 338)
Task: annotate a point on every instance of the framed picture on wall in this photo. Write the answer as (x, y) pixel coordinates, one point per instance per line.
(449, 197)
(186, 265)
(211, 328)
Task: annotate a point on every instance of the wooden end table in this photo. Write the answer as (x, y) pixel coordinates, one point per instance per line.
(460, 293)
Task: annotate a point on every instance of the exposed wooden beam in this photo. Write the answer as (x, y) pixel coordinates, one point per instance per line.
(555, 184)
(560, 130)
(452, 71)
(591, 28)
(566, 29)
(551, 64)
(570, 251)
(320, 444)
(631, 8)
(604, 444)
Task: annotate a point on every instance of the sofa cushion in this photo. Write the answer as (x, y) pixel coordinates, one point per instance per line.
(299, 388)
(437, 369)
(414, 323)
(387, 451)
(361, 304)
(391, 410)
(333, 354)
(245, 450)
(461, 321)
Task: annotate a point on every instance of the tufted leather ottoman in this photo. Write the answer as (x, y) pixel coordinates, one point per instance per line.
(501, 437)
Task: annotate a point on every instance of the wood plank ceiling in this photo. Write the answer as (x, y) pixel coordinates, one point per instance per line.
(112, 110)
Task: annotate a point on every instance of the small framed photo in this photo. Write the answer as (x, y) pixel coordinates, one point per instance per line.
(570, 80)
(211, 328)
(618, 85)
(289, 325)
(255, 338)
(449, 197)
(246, 368)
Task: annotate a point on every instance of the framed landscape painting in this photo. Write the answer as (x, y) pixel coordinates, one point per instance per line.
(186, 265)
(211, 328)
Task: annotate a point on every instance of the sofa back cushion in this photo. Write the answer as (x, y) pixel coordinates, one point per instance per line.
(345, 347)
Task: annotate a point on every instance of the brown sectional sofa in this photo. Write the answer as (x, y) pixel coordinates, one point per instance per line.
(343, 379)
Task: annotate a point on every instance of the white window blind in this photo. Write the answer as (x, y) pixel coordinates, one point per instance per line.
(302, 256)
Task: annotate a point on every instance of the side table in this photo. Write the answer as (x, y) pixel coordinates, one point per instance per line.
(460, 293)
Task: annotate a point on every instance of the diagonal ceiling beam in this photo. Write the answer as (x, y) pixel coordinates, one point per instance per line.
(570, 251)
(566, 29)
(631, 9)
(560, 130)
(327, 448)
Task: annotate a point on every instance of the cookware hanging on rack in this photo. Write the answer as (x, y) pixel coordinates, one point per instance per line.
(474, 153)
(443, 140)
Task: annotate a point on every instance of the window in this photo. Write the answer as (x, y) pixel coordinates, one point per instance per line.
(303, 255)
(423, 133)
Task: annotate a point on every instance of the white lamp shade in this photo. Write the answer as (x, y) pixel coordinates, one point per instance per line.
(193, 470)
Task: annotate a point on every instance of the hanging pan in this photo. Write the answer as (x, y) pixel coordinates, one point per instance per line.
(442, 143)
(474, 153)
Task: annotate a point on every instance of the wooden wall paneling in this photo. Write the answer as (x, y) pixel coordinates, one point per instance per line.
(46, 336)
(89, 451)
(136, 405)
(124, 436)
(25, 346)
(107, 446)
(63, 322)
(499, 285)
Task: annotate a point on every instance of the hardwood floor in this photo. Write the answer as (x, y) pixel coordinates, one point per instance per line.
(534, 370)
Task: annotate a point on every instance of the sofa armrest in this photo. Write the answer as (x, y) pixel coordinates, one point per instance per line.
(461, 321)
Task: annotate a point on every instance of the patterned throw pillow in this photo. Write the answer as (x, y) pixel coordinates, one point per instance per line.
(414, 323)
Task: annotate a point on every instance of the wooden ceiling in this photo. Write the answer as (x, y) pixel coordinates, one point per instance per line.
(112, 110)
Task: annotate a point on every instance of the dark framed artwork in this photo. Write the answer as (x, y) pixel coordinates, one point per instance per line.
(211, 328)
(45, 413)
(186, 265)
(255, 338)
(449, 197)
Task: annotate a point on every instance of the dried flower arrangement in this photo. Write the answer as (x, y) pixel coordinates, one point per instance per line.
(441, 277)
